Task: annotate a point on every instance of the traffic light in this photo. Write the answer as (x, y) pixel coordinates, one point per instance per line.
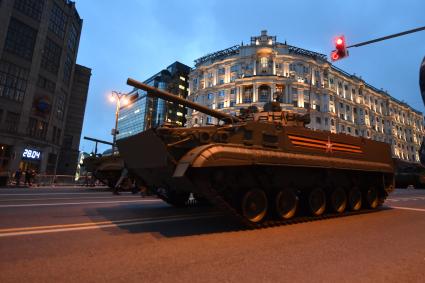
(340, 49)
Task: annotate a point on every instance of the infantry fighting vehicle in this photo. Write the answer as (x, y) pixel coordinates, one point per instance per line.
(263, 167)
(107, 169)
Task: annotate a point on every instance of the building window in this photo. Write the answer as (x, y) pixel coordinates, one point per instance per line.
(264, 62)
(11, 122)
(60, 106)
(264, 93)
(56, 135)
(332, 122)
(342, 116)
(31, 8)
(220, 105)
(20, 39)
(318, 120)
(234, 68)
(67, 69)
(221, 93)
(209, 120)
(46, 84)
(233, 91)
(37, 129)
(232, 103)
(57, 21)
(13, 81)
(67, 141)
(221, 81)
(72, 39)
(51, 56)
(210, 96)
(221, 71)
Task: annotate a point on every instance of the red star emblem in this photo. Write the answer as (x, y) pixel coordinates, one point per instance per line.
(329, 145)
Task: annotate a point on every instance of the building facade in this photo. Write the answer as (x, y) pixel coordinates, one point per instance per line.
(301, 80)
(42, 90)
(147, 112)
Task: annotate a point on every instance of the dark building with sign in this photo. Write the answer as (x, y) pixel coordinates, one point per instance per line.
(42, 90)
(147, 112)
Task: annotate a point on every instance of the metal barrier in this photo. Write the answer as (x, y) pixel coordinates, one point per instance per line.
(56, 180)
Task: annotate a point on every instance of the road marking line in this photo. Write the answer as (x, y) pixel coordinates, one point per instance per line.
(408, 208)
(43, 194)
(108, 225)
(77, 203)
(16, 229)
(29, 199)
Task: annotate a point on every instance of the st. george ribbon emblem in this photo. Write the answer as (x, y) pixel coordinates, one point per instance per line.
(329, 145)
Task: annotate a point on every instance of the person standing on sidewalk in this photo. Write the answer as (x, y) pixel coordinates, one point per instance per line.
(18, 175)
(27, 177)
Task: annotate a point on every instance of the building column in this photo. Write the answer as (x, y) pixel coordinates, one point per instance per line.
(254, 93)
(287, 94)
(254, 71)
(238, 94)
(273, 90)
(274, 66)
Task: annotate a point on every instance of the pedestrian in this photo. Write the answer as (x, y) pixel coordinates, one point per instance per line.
(27, 177)
(18, 175)
(32, 176)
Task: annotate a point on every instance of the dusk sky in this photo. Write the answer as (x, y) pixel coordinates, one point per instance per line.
(138, 38)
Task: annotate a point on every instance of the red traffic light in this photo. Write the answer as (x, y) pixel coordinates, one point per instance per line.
(334, 55)
(340, 49)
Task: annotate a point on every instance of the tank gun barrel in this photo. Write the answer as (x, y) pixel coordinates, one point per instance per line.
(153, 91)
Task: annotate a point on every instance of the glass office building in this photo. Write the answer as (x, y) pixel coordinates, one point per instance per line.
(147, 112)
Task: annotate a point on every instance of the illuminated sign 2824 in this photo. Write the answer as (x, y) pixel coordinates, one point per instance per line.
(31, 153)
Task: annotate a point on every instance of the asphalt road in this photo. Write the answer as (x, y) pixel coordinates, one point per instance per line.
(80, 235)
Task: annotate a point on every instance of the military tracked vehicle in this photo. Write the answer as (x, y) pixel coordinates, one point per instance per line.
(262, 167)
(107, 169)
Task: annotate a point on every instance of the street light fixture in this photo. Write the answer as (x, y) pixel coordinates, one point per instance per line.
(119, 98)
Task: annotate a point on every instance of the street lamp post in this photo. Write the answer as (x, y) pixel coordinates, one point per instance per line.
(117, 97)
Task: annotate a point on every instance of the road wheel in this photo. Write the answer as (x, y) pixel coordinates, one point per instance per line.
(354, 199)
(254, 205)
(371, 197)
(317, 201)
(338, 200)
(286, 203)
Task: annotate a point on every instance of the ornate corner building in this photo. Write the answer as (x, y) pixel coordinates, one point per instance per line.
(266, 70)
(43, 91)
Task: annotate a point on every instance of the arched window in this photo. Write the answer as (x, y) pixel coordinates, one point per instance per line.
(264, 62)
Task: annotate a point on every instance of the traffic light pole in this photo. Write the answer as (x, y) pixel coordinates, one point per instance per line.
(387, 37)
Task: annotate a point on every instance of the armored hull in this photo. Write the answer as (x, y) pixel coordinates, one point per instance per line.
(265, 168)
(106, 169)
